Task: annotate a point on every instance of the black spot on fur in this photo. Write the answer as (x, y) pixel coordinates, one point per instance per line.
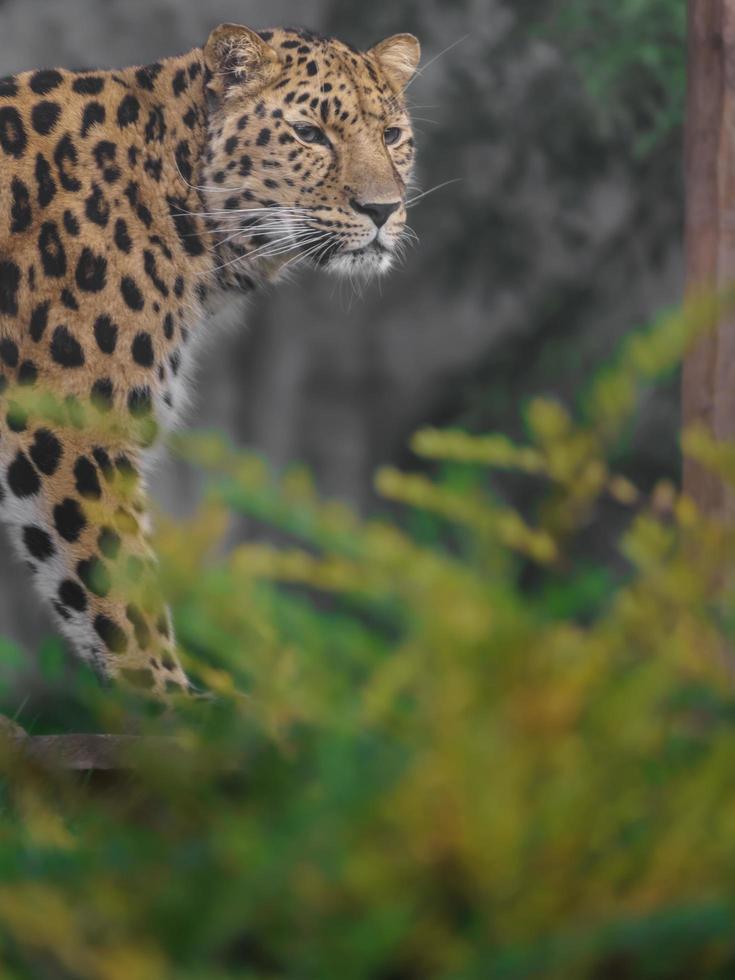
(183, 162)
(158, 241)
(111, 634)
(131, 294)
(94, 114)
(44, 181)
(312, 68)
(38, 543)
(122, 238)
(105, 333)
(71, 595)
(91, 275)
(46, 452)
(9, 352)
(146, 76)
(43, 82)
(27, 374)
(86, 479)
(140, 403)
(65, 157)
(155, 129)
(180, 82)
(23, 480)
(69, 520)
(168, 326)
(142, 349)
(128, 111)
(61, 611)
(93, 572)
(144, 215)
(9, 282)
(71, 224)
(102, 459)
(13, 137)
(20, 209)
(109, 543)
(97, 208)
(89, 85)
(105, 154)
(45, 116)
(39, 321)
(8, 87)
(66, 349)
(190, 119)
(142, 632)
(185, 227)
(69, 300)
(53, 256)
(153, 166)
(246, 166)
(16, 418)
(102, 395)
(264, 137)
(149, 263)
(126, 469)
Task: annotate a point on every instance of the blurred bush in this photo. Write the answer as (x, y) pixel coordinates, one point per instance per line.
(439, 749)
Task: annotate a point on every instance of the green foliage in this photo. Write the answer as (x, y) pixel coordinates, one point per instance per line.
(632, 57)
(446, 755)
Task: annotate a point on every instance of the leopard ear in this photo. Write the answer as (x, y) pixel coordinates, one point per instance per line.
(399, 58)
(239, 60)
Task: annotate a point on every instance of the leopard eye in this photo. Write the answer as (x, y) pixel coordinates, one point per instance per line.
(392, 135)
(311, 134)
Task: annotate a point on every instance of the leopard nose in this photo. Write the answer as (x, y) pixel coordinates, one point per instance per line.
(378, 212)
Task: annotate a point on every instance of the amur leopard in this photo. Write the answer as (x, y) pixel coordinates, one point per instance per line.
(134, 204)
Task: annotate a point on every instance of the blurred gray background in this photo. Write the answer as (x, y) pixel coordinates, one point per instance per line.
(563, 233)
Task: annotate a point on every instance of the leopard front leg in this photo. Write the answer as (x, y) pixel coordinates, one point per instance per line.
(77, 513)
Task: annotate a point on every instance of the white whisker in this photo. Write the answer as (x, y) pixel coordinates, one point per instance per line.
(433, 190)
(422, 71)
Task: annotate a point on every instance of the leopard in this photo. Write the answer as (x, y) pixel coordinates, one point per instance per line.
(137, 208)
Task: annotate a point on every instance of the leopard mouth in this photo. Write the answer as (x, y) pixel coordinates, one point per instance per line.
(365, 263)
(374, 248)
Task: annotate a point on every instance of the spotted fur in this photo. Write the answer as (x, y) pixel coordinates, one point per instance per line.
(134, 205)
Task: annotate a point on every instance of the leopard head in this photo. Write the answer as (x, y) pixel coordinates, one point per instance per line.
(310, 149)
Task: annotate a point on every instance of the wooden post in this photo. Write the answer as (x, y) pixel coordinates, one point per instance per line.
(709, 370)
(87, 753)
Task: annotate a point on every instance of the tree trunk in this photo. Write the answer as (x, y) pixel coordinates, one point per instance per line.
(709, 371)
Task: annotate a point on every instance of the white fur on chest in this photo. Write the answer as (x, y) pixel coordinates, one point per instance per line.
(174, 396)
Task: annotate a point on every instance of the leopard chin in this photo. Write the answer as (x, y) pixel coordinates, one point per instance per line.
(364, 263)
